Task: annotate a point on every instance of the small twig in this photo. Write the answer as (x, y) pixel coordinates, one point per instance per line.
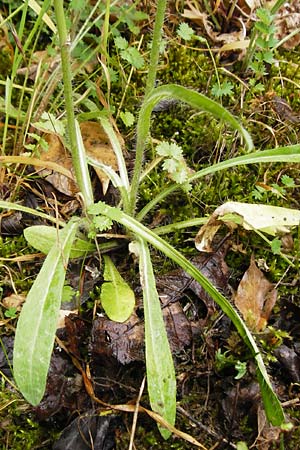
(135, 414)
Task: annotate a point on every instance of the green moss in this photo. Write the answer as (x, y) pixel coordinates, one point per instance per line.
(17, 430)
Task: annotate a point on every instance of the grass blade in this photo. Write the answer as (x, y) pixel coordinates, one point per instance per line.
(36, 326)
(115, 143)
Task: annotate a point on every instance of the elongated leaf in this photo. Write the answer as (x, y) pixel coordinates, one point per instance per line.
(272, 405)
(161, 379)
(25, 209)
(117, 149)
(194, 99)
(36, 7)
(43, 238)
(117, 297)
(113, 176)
(290, 153)
(36, 326)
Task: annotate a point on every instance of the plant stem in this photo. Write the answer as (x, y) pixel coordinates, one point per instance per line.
(154, 55)
(277, 6)
(78, 157)
(152, 70)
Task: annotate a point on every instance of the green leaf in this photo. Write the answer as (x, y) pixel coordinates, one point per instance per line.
(161, 379)
(262, 28)
(276, 246)
(241, 368)
(133, 56)
(121, 43)
(225, 88)
(241, 445)
(36, 326)
(16, 207)
(288, 181)
(272, 405)
(194, 99)
(268, 56)
(265, 15)
(290, 153)
(68, 294)
(49, 122)
(169, 149)
(101, 223)
(170, 165)
(77, 5)
(11, 312)
(185, 31)
(43, 238)
(127, 118)
(117, 297)
(180, 176)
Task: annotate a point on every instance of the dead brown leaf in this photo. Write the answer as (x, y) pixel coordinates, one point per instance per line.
(38, 58)
(177, 325)
(234, 40)
(13, 301)
(97, 146)
(267, 433)
(122, 341)
(58, 153)
(255, 298)
(288, 22)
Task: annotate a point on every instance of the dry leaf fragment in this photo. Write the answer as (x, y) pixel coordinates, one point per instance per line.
(269, 219)
(98, 147)
(267, 433)
(57, 153)
(255, 298)
(287, 23)
(13, 301)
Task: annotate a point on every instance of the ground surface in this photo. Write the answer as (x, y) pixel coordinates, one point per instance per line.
(218, 397)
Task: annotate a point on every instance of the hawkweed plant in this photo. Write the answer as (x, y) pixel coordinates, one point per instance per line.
(36, 327)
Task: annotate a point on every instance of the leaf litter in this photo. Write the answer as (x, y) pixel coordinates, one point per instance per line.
(255, 298)
(97, 146)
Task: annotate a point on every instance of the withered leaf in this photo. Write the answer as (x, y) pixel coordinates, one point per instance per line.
(97, 146)
(177, 325)
(286, 22)
(267, 433)
(88, 431)
(58, 153)
(13, 301)
(255, 298)
(122, 341)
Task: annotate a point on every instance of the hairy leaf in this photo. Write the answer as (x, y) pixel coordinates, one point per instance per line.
(290, 154)
(43, 238)
(36, 326)
(161, 379)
